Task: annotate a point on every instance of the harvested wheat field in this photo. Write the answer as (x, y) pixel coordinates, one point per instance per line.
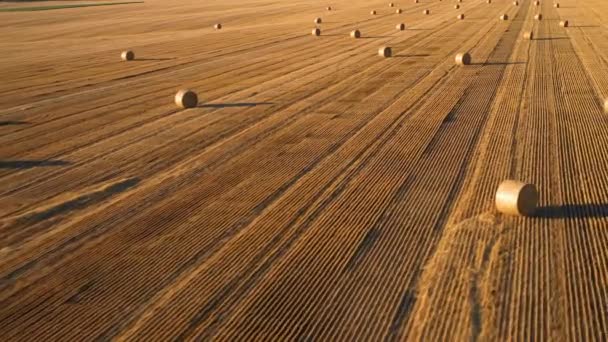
(305, 188)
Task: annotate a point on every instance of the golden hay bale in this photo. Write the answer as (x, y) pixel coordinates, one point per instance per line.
(186, 98)
(401, 27)
(398, 11)
(316, 32)
(217, 26)
(463, 58)
(536, 3)
(373, 12)
(516, 3)
(556, 5)
(329, 8)
(538, 17)
(385, 52)
(355, 34)
(563, 23)
(504, 17)
(127, 55)
(460, 16)
(528, 35)
(457, 6)
(318, 20)
(459, 0)
(415, 1)
(516, 198)
(390, 4)
(489, 1)
(426, 11)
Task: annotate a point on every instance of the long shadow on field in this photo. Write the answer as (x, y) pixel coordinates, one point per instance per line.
(229, 105)
(152, 59)
(554, 38)
(13, 123)
(499, 63)
(585, 26)
(573, 211)
(28, 164)
(404, 56)
(375, 37)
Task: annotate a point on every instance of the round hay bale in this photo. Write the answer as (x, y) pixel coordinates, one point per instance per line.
(504, 17)
(316, 32)
(538, 17)
(127, 55)
(401, 27)
(459, 0)
(563, 23)
(217, 26)
(390, 4)
(329, 8)
(186, 98)
(536, 3)
(463, 58)
(528, 35)
(556, 5)
(355, 34)
(426, 12)
(398, 11)
(385, 52)
(318, 21)
(489, 1)
(415, 1)
(457, 6)
(460, 17)
(516, 198)
(373, 12)
(516, 3)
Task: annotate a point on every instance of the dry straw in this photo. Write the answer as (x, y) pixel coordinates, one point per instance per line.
(426, 11)
(390, 4)
(528, 35)
(329, 8)
(401, 27)
(504, 17)
(373, 12)
(538, 17)
(516, 3)
(398, 11)
(516, 198)
(460, 16)
(463, 58)
(316, 32)
(606, 106)
(127, 55)
(385, 52)
(318, 20)
(556, 5)
(217, 26)
(457, 6)
(355, 34)
(186, 98)
(563, 23)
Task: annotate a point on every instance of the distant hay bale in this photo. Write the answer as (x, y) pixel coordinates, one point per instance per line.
(329, 8)
(398, 11)
(538, 17)
(463, 58)
(556, 5)
(489, 1)
(504, 17)
(127, 55)
(385, 52)
(217, 26)
(457, 6)
(390, 4)
(186, 98)
(563, 23)
(373, 12)
(316, 32)
(460, 17)
(401, 27)
(355, 34)
(528, 35)
(536, 3)
(426, 11)
(415, 1)
(318, 21)
(516, 198)
(516, 3)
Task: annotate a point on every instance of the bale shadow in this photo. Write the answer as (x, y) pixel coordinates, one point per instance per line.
(419, 55)
(28, 164)
(499, 63)
(554, 38)
(375, 37)
(585, 26)
(573, 211)
(230, 105)
(152, 59)
(13, 123)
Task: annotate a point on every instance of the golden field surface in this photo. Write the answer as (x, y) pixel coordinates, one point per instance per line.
(318, 191)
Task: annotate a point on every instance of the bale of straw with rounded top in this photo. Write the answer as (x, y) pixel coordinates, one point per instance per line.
(127, 55)
(426, 11)
(457, 6)
(401, 27)
(563, 23)
(316, 32)
(186, 98)
(504, 17)
(460, 17)
(355, 34)
(538, 17)
(398, 11)
(217, 26)
(373, 12)
(528, 35)
(318, 20)
(385, 52)
(463, 58)
(516, 198)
